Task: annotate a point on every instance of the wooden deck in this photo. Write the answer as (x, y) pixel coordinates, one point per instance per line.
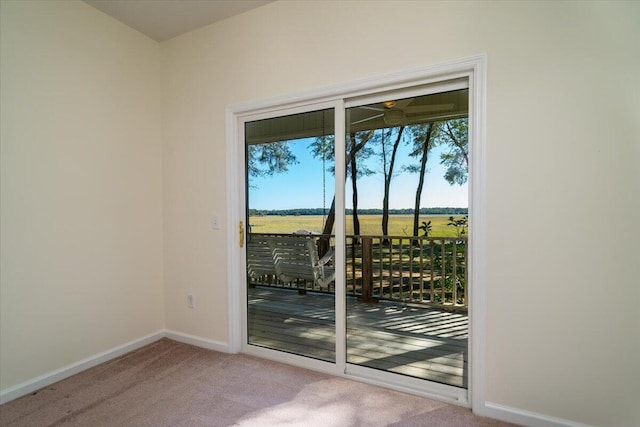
(420, 342)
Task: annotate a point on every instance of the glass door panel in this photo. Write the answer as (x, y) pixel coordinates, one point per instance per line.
(290, 216)
(406, 246)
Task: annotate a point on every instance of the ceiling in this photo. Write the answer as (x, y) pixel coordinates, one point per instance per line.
(162, 20)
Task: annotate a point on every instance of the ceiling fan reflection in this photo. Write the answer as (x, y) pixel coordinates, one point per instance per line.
(394, 113)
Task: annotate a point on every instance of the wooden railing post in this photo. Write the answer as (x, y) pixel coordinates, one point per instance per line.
(367, 270)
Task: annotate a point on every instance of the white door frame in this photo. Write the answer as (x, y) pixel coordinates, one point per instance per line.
(473, 69)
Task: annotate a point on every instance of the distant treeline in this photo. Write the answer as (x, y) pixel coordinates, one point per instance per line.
(319, 211)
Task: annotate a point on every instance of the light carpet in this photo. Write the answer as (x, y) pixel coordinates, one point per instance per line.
(172, 384)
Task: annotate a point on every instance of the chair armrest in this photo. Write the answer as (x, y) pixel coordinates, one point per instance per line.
(327, 257)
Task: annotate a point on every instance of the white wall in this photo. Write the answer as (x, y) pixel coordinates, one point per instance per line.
(563, 324)
(84, 188)
(81, 180)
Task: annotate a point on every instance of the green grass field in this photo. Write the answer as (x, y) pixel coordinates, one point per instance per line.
(399, 225)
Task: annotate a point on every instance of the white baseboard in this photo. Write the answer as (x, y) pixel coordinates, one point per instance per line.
(525, 418)
(45, 380)
(37, 383)
(198, 341)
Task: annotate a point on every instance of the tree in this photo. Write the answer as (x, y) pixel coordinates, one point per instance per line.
(270, 158)
(424, 137)
(323, 147)
(455, 134)
(356, 149)
(452, 133)
(388, 162)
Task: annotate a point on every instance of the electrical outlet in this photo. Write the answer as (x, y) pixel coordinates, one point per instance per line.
(191, 301)
(215, 222)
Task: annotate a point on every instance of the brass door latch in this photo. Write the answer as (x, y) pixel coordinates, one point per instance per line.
(241, 232)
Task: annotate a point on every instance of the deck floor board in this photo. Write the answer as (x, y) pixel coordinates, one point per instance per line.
(426, 343)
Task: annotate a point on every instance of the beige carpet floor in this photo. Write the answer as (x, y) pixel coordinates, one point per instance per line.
(173, 384)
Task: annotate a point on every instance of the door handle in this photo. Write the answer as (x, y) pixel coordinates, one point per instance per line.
(241, 234)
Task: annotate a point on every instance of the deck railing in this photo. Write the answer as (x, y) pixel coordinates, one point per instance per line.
(420, 270)
(426, 270)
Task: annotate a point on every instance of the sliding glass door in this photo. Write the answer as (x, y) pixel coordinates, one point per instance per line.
(373, 281)
(290, 216)
(406, 216)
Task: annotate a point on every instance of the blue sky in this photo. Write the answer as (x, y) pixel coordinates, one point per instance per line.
(301, 186)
